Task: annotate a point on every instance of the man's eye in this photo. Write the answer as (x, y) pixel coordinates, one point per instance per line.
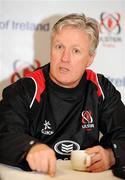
(58, 46)
(76, 51)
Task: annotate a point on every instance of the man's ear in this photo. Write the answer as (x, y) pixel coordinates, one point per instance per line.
(91, 59)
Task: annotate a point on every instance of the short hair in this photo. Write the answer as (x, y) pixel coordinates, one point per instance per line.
(80, 21)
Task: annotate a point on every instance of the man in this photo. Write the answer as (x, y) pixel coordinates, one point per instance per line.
(63, 106)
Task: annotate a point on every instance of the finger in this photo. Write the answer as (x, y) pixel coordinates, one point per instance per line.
(95, 158)
(52, 166)
(95, 149)
(44, 164)
(31, 162)
(41, 164)
(96, 167)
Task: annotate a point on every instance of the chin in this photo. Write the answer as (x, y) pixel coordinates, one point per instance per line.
(62, 82)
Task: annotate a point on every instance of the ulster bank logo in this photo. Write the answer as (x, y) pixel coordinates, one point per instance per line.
(110, 23)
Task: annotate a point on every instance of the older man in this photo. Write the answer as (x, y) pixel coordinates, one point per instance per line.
(63, 106)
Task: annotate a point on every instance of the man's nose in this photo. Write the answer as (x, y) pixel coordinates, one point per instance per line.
(65, 56)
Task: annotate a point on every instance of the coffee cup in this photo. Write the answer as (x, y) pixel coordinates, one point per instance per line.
(80, 160)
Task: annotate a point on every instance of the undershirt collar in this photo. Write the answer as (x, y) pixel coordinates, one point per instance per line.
(74, 93)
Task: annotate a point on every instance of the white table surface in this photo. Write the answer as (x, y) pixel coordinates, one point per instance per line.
(64, 172)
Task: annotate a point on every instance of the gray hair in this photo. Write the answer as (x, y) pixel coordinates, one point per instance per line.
(80, 21)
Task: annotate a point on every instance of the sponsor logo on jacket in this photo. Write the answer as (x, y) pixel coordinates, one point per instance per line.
(47, 128)
(66, 146)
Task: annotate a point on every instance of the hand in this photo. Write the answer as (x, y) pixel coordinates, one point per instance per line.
(101, 160)
(42, 158)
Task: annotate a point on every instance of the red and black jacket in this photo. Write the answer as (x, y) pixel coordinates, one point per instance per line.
(36, 110)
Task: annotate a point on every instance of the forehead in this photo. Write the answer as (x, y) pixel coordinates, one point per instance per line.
(70, 33)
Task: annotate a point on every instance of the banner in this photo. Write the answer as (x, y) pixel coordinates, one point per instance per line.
(25, 28)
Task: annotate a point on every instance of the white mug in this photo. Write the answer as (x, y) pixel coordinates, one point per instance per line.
(80, 160)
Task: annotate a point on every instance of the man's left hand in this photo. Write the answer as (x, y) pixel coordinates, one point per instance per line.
(101, 159)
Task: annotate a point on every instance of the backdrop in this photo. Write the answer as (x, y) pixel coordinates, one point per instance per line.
(25, 27)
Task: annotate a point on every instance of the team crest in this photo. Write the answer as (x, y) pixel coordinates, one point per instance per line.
(87, 120)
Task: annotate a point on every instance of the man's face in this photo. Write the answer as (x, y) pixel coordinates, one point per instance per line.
(69, 56)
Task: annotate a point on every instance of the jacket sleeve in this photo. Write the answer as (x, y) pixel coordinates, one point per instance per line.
(15, 139)
(112, 121)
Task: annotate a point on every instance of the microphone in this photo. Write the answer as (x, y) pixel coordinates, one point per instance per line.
(119, 171)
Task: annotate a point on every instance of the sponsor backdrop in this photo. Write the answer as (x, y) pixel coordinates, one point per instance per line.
(25, 27)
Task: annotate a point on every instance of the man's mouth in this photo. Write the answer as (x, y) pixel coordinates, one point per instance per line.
(63, 69)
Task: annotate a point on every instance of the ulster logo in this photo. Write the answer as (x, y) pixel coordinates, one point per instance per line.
(87, 120)
(110, 28)
(21, 68)
(110, 22)
(65, 147)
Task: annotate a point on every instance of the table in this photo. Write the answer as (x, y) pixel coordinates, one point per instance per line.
(64, 172)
